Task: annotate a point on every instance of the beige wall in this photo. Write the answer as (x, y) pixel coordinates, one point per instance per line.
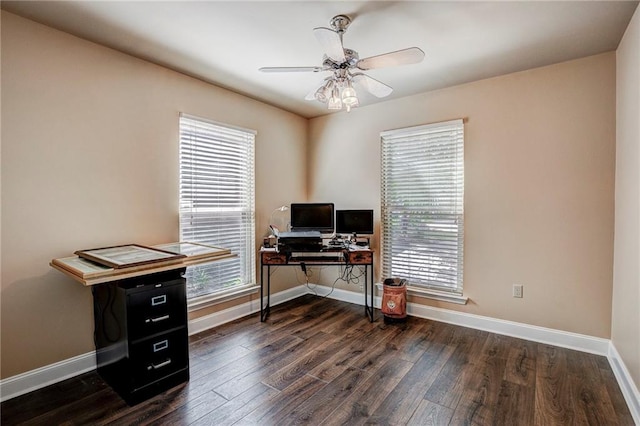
(625, 332)
(90, 159)
(539, 185)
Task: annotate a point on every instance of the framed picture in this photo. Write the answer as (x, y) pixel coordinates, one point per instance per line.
(129, 255)
(194, 251)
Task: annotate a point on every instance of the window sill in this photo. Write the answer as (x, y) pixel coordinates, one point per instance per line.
(442, 296)
(205, 301)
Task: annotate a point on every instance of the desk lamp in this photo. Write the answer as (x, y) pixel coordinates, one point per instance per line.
(271, 224)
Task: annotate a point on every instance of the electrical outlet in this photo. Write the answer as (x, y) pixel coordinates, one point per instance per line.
(517, 290)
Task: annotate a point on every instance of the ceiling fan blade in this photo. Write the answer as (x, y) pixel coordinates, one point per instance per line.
(331, 43)
(291, 69)
(412, 55)
(373, 86)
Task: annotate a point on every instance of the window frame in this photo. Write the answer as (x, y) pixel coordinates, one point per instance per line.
(218, 139)
(398, 201)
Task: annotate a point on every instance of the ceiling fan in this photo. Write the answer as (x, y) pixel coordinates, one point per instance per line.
(338, 89)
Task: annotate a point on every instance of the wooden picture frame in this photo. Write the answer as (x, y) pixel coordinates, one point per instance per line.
(193, 251)
(126, 256)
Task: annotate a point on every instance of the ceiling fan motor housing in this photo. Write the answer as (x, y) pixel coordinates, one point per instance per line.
(350, 61)
(340, 23)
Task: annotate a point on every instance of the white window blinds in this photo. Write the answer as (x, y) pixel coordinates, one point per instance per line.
(422, 205)
(217, 201)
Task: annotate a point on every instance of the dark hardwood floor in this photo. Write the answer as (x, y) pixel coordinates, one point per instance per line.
(320, 362)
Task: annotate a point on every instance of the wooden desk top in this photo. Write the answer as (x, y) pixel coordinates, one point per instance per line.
(90, 273)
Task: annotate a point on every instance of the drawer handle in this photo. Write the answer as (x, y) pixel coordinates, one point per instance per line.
(157, 319)
(160, 345)
(158, 300)
(162, 364)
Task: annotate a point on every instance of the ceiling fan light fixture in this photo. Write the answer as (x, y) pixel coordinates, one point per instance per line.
(352, 105)
(321, 96)
(334, 101)
(324, 92)
(349, 96)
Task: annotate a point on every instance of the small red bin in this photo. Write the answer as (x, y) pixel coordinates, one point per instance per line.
(394, 300)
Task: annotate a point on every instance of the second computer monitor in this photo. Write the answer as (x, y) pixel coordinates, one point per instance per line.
(359, 222)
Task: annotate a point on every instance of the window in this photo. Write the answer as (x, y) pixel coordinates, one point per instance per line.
(217, 202)
(422, 205)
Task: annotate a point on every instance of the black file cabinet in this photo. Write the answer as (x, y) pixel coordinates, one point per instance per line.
(141, 334)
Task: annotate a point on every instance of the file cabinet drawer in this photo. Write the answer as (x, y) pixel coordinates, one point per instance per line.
(157, 357)
(155, 310)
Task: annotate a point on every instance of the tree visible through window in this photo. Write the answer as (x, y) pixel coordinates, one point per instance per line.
(217, 201)
(423, 205)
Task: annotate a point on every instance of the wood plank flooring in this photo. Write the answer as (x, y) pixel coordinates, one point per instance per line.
(320, 362)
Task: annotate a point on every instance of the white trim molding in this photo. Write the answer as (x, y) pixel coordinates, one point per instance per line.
(47, 375)
(550, 336)
(218, 318)
(220, 297)
(627, 386)
(565, 339)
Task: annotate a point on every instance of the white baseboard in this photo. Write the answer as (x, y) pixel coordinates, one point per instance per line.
(339, 294)
(218, 318)
(47, 375)
(565, 339)
(627, 386)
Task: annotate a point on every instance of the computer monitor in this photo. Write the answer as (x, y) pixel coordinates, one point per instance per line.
(312, 217)
(359, 222)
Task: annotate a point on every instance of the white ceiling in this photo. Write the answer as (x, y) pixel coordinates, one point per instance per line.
(225, 42)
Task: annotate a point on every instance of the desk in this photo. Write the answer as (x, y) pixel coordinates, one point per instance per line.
(356, 257)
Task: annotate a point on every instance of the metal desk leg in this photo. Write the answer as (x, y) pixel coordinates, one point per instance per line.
(366, 288)
(268, 311)
(372, 287)
(368, 302)
(265, 309)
